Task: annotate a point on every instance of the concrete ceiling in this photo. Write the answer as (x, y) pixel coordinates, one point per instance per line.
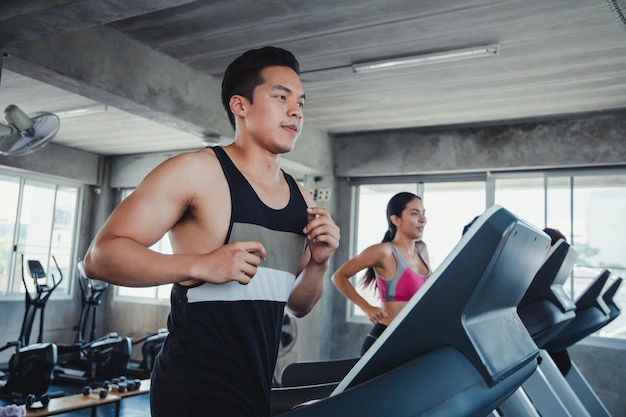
(157, 65)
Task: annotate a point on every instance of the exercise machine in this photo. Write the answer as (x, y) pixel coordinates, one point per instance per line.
(316, 372)
(91, 297)
(31, 366)
(102, 359)
(150, 346)
(595, 308)
(38, 301)
(557, 388)
(99, 358)
(546, 310)
(458, 347)
(30, 374)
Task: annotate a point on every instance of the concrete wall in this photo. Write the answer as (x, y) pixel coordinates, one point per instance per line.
(576, 142)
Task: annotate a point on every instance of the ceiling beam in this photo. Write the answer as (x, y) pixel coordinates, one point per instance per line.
(105, 65)
(22, 21)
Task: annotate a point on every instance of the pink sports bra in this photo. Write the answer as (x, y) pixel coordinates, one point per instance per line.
(405, 282)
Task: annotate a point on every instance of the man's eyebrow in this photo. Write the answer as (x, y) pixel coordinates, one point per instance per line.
(287, 89)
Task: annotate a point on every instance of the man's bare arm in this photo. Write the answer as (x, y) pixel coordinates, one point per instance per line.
(120, 252)
(322, 239)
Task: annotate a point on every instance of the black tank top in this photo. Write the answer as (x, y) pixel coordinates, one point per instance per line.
(223, 339)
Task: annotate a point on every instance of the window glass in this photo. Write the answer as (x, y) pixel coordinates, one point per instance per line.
(524, 197)
(38, 220)
(9, 190)
(589, 209)
(449, 207)
(61, 245)
(599, 230)
(35, 230)
(559, 205)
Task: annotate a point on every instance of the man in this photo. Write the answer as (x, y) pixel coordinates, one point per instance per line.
(247, 240)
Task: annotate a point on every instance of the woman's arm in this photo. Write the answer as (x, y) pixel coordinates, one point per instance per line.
(370, 257)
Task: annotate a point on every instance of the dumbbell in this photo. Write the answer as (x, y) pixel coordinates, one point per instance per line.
(118, 384)
(133, 384)
(32, 399)
(101, 392)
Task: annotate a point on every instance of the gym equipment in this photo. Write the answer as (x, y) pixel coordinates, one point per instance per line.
(316, 372)
(30, 374)
(609, 299)
(91, 297)
(288, 335)
(102, 359)
(547, 392)
(597, 309)
(545, 310)
(592, 313)
(100, 392)
(151, 345)
(38, 302)
(98, 359)
(458, 347)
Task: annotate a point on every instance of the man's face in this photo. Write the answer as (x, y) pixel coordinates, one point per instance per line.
(275, 117)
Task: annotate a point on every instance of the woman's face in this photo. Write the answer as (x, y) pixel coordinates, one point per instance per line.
(413, 219)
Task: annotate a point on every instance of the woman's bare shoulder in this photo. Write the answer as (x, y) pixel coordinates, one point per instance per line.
(378, 251)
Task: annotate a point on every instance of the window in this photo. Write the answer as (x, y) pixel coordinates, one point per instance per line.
(599, 234)
(449, 207)
(445, 218)
(588, 207)
(38, 221)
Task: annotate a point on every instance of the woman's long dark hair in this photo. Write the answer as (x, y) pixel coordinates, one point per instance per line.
(396, 206)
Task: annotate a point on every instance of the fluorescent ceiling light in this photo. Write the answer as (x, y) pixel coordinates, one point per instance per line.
(82, 111)
(410, 61)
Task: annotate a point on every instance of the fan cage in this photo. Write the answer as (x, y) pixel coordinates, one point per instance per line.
(618, 8)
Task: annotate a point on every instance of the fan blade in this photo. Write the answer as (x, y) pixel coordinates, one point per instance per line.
(44, 127)
(285, 338)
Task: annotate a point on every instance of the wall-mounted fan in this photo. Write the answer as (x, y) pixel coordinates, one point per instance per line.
(288, 335)
(26, 134)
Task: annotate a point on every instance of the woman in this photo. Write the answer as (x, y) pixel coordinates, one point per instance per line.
(398, 266)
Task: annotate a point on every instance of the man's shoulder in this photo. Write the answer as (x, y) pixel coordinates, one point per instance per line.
(202, 159)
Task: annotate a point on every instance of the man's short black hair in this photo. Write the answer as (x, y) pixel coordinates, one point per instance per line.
(243, 75)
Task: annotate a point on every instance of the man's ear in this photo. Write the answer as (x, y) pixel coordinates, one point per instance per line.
(238, 105)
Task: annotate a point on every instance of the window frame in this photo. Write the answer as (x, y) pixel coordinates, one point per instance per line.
(490, 178)
(22, 178)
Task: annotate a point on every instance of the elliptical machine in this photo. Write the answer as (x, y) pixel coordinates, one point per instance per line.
(91, 297)
(99, 358)
(31, 367)
(37, 303)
